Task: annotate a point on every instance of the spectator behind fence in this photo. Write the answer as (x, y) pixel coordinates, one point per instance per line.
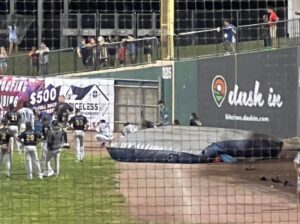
(12, 38)
(266, 32)
(91, 45)
(111, 52)
(229, 37)
(131, 49)
(3, 57)
(33, 61)
(43, 59)
(148, 49)
(83, 53)
(101, 55)
(163, 114)
(272, 20)
(122, 53)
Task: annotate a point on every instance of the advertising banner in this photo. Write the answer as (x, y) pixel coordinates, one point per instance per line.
(16, 90)
(250, 91)
(94, 97)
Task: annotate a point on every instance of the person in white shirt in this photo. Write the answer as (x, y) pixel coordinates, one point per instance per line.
(27, 115)
(104, 133)
(43, 52)
(12, 38)
(129, 128)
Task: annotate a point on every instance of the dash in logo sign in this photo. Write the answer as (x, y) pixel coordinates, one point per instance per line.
(219, 89)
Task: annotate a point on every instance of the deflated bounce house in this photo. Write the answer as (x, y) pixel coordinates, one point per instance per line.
(179, 144)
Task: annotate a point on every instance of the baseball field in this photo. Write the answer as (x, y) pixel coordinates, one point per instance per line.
(100, 190)
(84, 192)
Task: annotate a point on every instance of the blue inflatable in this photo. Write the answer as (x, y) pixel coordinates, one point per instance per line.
(179, 144)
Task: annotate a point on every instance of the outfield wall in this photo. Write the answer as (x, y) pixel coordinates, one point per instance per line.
(254, 91)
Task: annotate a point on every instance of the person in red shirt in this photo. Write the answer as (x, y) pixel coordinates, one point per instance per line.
(122, 53)
(273, 18)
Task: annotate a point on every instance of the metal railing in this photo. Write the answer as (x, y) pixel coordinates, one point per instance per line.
(253, 37)
(118, 54)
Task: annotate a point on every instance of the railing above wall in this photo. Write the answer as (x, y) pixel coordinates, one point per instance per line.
(68, 60)
(253, 37)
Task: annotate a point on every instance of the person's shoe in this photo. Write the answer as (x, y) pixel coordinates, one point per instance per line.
(41, 177)
(8, 175)
(29, 177)
(48, 173)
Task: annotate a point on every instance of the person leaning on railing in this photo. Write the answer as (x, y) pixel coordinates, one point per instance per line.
(43, 52)
(266, 32)
(111, 52)
(33, 61)
(101, 53)
(273, 19)
(83, 53)
(131, 49)
(122, 53)
(91, 45)
(229, 39)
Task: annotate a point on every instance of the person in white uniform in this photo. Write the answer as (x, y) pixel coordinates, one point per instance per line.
(104, 133)
(27, 115)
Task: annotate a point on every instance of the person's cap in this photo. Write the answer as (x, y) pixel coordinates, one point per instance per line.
(54, 123)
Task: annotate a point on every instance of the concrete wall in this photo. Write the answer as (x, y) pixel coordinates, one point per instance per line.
(140, 75)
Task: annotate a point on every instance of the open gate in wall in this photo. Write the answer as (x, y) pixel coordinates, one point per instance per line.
(136, 101)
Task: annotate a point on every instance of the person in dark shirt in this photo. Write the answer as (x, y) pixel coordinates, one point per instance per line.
(54, 144)
(79, 124)
(229, 31)
(14, 119)
(194, 121)
(266, 32)
(5, 136)
(30, 139)
(46, 127)
(62, 112)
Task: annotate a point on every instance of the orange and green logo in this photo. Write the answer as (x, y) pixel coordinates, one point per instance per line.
(219, 89)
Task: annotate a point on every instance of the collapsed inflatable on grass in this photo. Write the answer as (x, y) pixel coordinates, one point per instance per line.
(179, 144)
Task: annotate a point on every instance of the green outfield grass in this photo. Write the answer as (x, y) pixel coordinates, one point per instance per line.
(83, 193)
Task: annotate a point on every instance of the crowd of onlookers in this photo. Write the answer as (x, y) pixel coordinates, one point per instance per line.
(100, 52)
(95, 53)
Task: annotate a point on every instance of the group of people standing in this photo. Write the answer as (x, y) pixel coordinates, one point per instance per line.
(39, 60)
(268, 32)
(96, 54)
(19, 133)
